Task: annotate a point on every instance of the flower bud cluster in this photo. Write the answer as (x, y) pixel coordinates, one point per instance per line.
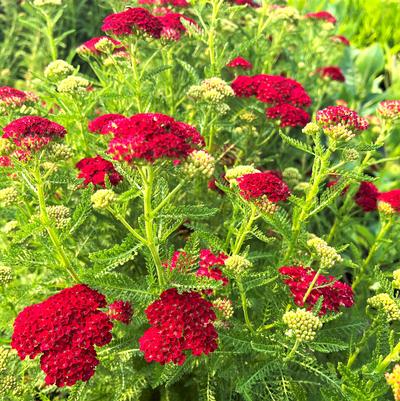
(5, 275)
(265, 205)
(224, 306)
(4, 353)
(199, 163)
(73, 85)
(291, 176)
(8, 196)
(238, 171)
(237, 265)
(40, 3)
(289, 14)
(60, 215)
(327, 254)
(7, 384)
(384, 302)
(311, 129)
(302, 324)
(393, 379)
(60, 151)
(58, 70)
(103, 198)
(396, 278)
(389, 109)
(350, 155)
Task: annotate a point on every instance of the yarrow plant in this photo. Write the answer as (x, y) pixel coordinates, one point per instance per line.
(199, 200)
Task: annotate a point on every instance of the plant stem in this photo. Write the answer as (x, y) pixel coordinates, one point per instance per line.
(123, 221)
(293, 350)
(137, 85)
(244, 230)
(392, 356)
(244, 305)
(311, 286)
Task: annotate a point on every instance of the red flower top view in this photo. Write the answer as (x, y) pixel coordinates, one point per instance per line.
(32, 133)
(334, 116)
(105, 124)
(90, 45)
(367, 196)
(335, 293)
(289, 116)
(120, 311)
(132, 21)
(389, 109)
(153, 136)
(323, 16)
(172, 27)
(64, 329)
(14, 97)
(179, 323)
(392, 198)
(332, 72)
(240, 62)
(255, 185)
(95, 169)
(173, 3)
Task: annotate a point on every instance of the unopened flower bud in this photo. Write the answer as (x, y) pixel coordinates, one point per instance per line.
(198, 163)
(60, 215)
(265, 205)
(311, 129)
(5, 275)
(350, 155)
(389, 109)
(4, 353)
(327, 255)
(73, 84)
(7, 384)
(396, 278)
(238, 171)
(237, 265)
(58, 70)
(393, 379)
(105, 45)
(212, 90)
(302, 187)
(303, 324)
(103, 198)
(60, 151)
(8, 196)
(291, 176)
(385, 208)
(385, 303)
(247, 116)
(224, 306)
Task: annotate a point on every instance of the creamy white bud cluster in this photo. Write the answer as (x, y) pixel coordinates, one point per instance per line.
(5, 275)
(60, 151)
(103, 198)
(224, 306)
(199, 163)
(265, 205)
(73, 85)
(4, 354)
(8, 196)
(233, 173)
(60, 215)
(291, 176)
(303, 324)
(57, 70)
(311, 129)
(237, 265)
(327, 254)
(41, 3)
(7, 384)
(385, 303)
(289, 14)
(350, 155)
(396, 278)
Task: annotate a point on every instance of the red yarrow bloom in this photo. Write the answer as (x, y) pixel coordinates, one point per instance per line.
(323, 16)
(90, 45)
(14, 98)
(105, 124)
(389, 109)
(179, 323)
(172, 27)
(173, 3)
(32, 133)
(332, 72)
(64, 329)
(341, 39)
(120, 311)
(256, 185)
(367, 196)
(151, 137)
(133, 21)
(240, 62)
(392, 198)
(335, 293)
(288, 115)
(250, 3)
(95, 169)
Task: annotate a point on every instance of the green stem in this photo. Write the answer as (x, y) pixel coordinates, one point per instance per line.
(244, 230)
(392, 356)
(124, 222)
(168, 198)
(244, 305)
(311, 286)
(293, 350)
(137, 84)
(49, 31)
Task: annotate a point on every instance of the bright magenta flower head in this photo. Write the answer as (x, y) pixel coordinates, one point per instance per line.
(120, 311)
(172, 27)
(153, 136)
(392, 198)
(132, 21)
(323, 16)
(14, 98)
(240, 62)
(288, 115)
(173, 3)
(332, 72)
(340, 122)
(389, 109)
(367, 196)
(32, 133)
(105, 124)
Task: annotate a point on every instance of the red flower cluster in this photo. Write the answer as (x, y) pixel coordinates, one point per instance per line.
(332, 72)
(90, 45)
(288, 115)
(180, 322)
(341, 39)
(153, 136)
(207, 264)
(120, 311)
(250, 3)
(322, 15)
(266, 184)
(172, 27)
(32, 133)
(95, 169)
(64, 329)
(173, 3)
(240, 62)
(15, 98)
(131, 21)
(333, 116)
(389, 109)
(335, 293)
(367, 196)
(285, 95)
(105, 124)
(392, 198)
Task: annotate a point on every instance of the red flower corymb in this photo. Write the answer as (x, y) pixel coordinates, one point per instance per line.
(288, 115)
(323, 16)
(105, 124)
(240, 62)
(332, 72)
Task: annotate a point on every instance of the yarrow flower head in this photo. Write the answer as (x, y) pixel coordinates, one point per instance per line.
(179, 323)
(150, 137)
(5, 275)
(327, 255)
(340, 122)
(332, 72)
(120, 311)
(94, 170)
(224, 307)
(335, 293)
(389, 109)
(311, 129)
(100, 45)
(64, 329)
(237, 265)
(103, 198)
(303, 324)
(396, 278)
(58, 70)
(340, 39)
(32, 133)
(393, 379)
(240, 62)
(133, 21)
(60, 215)
(367, 196)
(73, 85)
(9, 196)
(12, 99)
(233, 173)
(199, 163)
(288, 115)
(172, 27)
(173, 3)
(389, 201)
(105, 124)
(385, 303)
(292, 176)
(322, 16)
